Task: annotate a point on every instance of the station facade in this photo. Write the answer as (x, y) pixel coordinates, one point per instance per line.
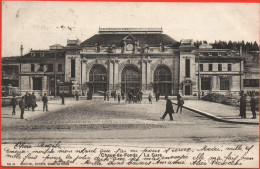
(139, 59)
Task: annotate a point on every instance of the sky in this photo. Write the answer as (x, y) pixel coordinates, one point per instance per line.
(38, 25)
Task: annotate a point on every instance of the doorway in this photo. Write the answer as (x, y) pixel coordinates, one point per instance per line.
(187, 89)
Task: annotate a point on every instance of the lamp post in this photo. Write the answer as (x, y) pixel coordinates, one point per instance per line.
(198, 76)
(55, 73)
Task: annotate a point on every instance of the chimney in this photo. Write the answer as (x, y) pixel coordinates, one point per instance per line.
(21, 50)
(240, 50)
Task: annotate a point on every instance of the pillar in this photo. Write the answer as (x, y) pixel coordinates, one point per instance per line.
(111, 75)
(116, 75)
(143, 74)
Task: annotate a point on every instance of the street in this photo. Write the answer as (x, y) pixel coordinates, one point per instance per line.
(99, 122)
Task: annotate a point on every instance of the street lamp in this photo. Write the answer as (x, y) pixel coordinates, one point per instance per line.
(198, 76)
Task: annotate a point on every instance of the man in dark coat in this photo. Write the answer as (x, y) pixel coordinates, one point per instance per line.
(27, 99)
(62, 98)
(45, 102)
(169, 109)
(13, 104)
(253, 106)
(243, 106)
(141, 95)
(77, 96)
(33, 101)
(180, 103)
(22, 106)
(105, 96)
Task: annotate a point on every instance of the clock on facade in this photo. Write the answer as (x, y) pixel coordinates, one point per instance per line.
(129, 47)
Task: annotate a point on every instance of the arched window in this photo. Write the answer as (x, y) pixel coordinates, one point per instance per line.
(98, 79)
(162, 80)
(130, 79)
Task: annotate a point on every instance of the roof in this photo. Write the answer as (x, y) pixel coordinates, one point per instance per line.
(10, 60)
(45, 54)
(116, 39)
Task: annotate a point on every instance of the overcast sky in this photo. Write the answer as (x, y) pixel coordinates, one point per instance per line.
(38, 25)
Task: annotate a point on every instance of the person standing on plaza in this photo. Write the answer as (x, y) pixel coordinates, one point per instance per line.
(180, 103)
(253, 106)
(22, 106)
(243, 106)
(118, 97)
(33, 101)
(141, 95)
(45, 102)
(123, 95)
(150, 99)
(27, 100)
(77, 95)
(241, 103)
(105, 96)
(169, 109)
(13, 104)
(62, 98)
(108, 95)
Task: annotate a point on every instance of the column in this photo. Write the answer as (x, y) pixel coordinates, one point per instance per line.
(143, 74)
(111, 75)
(149, 87)
(116, 74)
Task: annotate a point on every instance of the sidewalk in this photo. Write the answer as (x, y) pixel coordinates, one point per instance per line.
(53, 105)
(220, 112)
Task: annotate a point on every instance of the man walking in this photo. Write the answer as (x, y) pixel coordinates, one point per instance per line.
(62, 98)
(33, 100)
(150, 99)
(13, 104)
(180, 103)
(45, 102)
(77, 96)
(253, 106)
(169, 109)
(22, 107)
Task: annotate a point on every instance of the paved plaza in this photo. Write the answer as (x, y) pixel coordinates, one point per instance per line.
(93, 121)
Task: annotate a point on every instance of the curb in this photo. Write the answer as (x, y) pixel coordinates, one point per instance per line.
(216, 118)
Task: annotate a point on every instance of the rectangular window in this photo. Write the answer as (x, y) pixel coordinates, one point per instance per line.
(59, 67)
(37, 83)
(201, 67)
(40, 69)
(224, 83)
(251, 82)
(210, 67)
(73, 64)
(50, 68)
(187, 68)
(205, 83)
(220, 67)
(32, 68)
(229, 67)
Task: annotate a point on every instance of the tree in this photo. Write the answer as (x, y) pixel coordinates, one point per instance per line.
(255, 46)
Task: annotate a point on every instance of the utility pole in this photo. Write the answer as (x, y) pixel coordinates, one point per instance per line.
(55, 74)
(198, 76)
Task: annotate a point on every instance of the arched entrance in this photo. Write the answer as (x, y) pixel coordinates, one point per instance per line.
(162, 80)
(130, 79)
(98, 79)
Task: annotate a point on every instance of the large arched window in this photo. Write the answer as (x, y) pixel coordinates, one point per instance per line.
(98, 79)
(130, 79)
(162, 80)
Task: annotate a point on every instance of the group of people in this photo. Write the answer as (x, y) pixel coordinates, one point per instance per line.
(243, 102)
(131, 97)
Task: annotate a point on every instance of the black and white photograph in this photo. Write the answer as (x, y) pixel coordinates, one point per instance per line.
(130, 84)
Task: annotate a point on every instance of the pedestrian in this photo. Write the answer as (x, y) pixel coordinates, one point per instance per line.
(105, 96)
(123, 95)
(108, 95)
(180, 103)
(77, 95)
(22, 106)
(45, 102)
(243, 106)
(138, 97)
(169, 109)
(62, 98)
(33, 101)
(241, 103)
(141, 95)
(27, 100)
(114, 95)
(118, 97)
(13, 104)
(156, 96)
(253, 106)
(150, 99)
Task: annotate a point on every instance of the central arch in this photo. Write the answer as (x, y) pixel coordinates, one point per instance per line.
(162, 80)
(98, 79)
(130, 79)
